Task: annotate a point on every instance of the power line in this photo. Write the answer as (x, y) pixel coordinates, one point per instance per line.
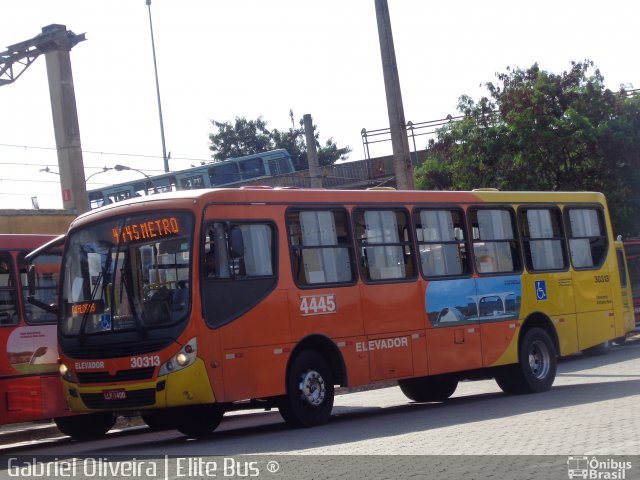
(31, 180)
(115, 154)
(28, 180)
(40, 194)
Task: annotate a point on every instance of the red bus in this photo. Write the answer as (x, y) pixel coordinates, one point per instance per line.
(632, 252)
(185, 305)
(30, 387)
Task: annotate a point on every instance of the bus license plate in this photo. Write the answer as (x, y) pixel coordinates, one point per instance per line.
(114, 394)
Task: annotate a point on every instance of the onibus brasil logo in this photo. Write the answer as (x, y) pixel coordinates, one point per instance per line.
(594, 468)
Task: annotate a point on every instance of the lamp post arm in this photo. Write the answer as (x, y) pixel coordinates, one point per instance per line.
(104, 169)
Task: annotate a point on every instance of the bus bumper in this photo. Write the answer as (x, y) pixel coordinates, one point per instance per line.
(189, 386)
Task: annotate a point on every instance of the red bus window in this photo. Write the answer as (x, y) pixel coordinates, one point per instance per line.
(8, 306)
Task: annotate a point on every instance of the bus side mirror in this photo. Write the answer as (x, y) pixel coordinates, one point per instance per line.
(236, 244)
(31, 298)
(31, 280)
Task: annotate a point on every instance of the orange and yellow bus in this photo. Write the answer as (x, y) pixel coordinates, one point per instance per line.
(185, 305)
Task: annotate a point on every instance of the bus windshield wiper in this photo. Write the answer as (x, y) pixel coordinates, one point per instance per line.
(104, 272)
(132, 306)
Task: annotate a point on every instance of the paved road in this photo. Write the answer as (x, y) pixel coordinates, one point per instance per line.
(592, 410)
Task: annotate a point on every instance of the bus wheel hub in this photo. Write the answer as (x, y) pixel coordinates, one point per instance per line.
(312, 388)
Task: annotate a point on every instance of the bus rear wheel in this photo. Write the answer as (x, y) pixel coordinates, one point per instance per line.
(429, 389)
(620, 340)
(536, 367)
(198, 420)
(600, 349)
(310, 391)
(87, 426)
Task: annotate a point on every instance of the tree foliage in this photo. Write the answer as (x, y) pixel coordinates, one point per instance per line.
(541, 131)
(246, 137)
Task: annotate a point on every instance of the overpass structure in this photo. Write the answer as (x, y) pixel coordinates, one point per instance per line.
(55, 42)
(359, 174)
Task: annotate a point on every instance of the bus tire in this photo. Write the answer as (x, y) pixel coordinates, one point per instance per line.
(310, 391)
(86, 427)
(600, 349)
(158, 420)
(198, 420)
(429, 389)
(536, 367)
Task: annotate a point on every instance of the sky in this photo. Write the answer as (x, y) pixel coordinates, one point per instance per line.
(221, 59)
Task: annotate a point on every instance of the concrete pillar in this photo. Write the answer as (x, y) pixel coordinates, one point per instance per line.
(65, 119)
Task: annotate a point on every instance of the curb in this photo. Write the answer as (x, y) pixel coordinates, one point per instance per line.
(30, 432)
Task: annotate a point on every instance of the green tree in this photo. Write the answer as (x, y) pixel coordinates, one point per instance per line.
(243, 137)
(541, 131)
(246, 137)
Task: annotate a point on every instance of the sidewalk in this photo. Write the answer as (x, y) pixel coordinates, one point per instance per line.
(33, 431)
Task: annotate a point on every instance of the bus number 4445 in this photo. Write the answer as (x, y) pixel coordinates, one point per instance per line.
(318, 304)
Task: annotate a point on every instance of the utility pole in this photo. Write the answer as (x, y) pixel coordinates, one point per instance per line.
(312, 153)
(155, 69)
(399, 141)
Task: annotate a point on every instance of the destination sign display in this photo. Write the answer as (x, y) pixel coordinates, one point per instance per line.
(144, 230)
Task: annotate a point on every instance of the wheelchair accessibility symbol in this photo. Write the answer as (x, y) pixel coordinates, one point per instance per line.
(541, 289)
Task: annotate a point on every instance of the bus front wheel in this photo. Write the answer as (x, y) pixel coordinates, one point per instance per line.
(158, 420)
(536, 367)
(310, 391)
(198, 420)
(87, 426)
(429, 389)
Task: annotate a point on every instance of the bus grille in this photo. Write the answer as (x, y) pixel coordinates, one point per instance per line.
(120, 376)
(113, 350)
(135, 398)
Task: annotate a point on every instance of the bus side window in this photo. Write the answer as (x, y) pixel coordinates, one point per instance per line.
(320, 247)
(216, 260)
(384, 245)
(239, 250)
(442, 242)
(257, 245)
(543, 239)
(8, 307)
(495, 245)
(587, 237)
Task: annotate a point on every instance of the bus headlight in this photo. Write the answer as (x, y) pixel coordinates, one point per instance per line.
(182, 359)
(185, 357)
(65, 373)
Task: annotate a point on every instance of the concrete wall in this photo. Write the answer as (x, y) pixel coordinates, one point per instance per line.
(35, 221)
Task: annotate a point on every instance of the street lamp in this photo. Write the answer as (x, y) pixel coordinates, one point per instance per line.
(120, 168)
(104, 169)
(155, 68)
(48, 170)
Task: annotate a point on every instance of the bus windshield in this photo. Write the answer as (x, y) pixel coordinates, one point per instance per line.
(130, 273)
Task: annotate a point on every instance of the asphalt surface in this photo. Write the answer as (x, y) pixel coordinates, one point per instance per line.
(47, 430)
